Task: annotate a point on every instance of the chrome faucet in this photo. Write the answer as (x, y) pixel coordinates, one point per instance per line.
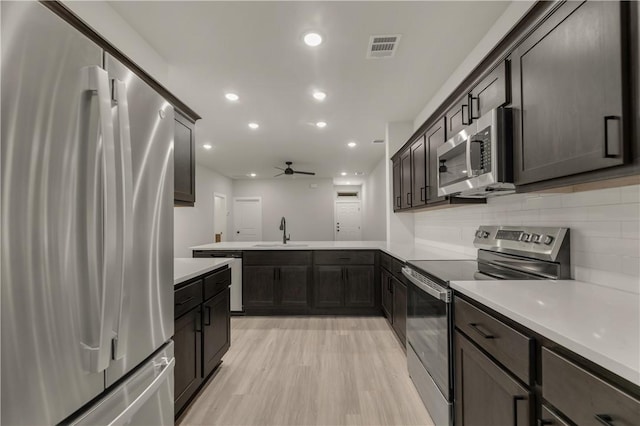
(283, 228)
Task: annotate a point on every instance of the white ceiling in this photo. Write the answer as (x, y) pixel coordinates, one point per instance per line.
(255, 49)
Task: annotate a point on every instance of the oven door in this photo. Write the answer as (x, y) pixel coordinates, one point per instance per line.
(454, 163)
(429, 325)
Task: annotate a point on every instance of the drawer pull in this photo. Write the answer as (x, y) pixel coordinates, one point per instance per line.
(344, 258)
(476, 327)
(605, 419)
(516, 398)
(187, 300)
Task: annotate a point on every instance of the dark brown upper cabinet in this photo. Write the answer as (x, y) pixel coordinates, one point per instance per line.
(435, 136)
(569, 93)
(405, 179)
(492, 92)
(397, 191)
(419, 172)
(184, 161)
(458, 116)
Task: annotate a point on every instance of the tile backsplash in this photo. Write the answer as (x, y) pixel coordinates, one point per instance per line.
(605, 229)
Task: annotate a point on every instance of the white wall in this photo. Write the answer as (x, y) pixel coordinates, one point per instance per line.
(309, 211)
(108, 23)
(399, 225)
(194, 225)
(374, 209)
(605, 231)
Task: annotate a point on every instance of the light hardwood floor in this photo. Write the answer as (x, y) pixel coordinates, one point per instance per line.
(310, 371)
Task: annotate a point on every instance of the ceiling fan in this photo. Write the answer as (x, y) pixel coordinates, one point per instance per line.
(290, 171)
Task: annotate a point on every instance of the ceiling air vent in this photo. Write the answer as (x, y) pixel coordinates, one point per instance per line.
(383, 46)
(378, 141)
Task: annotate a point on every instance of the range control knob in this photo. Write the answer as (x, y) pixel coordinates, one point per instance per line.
(485, 234)
(525, 237)
(535, 238)
(548, 239)
(479, 233)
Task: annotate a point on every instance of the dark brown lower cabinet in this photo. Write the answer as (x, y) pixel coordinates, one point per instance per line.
(188, 354)
(294, 286)
(549, 418)
(328, 287)
(387, 294)
(485, 394)
(258, 286)
(350, 286)
(399, 309)
(202, 332)
(216, 330)
(359, 286)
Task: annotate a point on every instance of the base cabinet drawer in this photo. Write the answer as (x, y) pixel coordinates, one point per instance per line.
(584, 398)
(344, 257)
(507, 345)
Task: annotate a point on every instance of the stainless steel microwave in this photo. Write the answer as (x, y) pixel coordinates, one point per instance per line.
(478, 161)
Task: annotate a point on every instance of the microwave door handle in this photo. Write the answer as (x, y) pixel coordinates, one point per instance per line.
(468, 157)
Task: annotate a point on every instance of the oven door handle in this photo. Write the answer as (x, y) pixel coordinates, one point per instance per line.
(439, 292)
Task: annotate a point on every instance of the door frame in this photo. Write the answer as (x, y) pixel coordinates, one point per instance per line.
(256, 198)
(226, 205)
(335, 215)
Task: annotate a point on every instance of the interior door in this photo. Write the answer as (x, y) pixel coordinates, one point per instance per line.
(145, 320)
(247, 219)
(51, 153)
(348, 221)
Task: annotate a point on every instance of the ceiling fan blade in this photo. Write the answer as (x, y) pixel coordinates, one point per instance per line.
(279, 175)
(279, 168)
(304, 173)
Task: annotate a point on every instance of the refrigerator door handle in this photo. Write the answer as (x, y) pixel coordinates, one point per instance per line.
(125, 417)
(125, 214)
(101, 238)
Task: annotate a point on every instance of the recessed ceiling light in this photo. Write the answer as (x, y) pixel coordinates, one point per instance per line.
(343, 173)
(254, 125)
(320, 96)
(231, 96)
(321, 124)
(351, 144)
(207, 146)
(348, 183)
(252, 175)
(312, 39)
(359, 173)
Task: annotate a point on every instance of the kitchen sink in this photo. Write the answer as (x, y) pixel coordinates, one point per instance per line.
(280, 245)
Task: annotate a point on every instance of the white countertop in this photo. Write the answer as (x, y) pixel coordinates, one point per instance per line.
(599, 323)
(186, 268)
(402, 252)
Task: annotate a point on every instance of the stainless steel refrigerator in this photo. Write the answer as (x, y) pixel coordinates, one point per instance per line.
(87, 231)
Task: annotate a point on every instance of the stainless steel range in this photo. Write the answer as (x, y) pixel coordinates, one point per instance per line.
(505, 253)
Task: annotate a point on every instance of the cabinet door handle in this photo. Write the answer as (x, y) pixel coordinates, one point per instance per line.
(197, 327)
(422, 193)
(473, 99)
(346, 273)
(476, 327)
(465, 122)
(605, 419)
(398, 201)
(516, 398)
(409, 198)
(612, 136)
(208, 321)
(187, 300)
